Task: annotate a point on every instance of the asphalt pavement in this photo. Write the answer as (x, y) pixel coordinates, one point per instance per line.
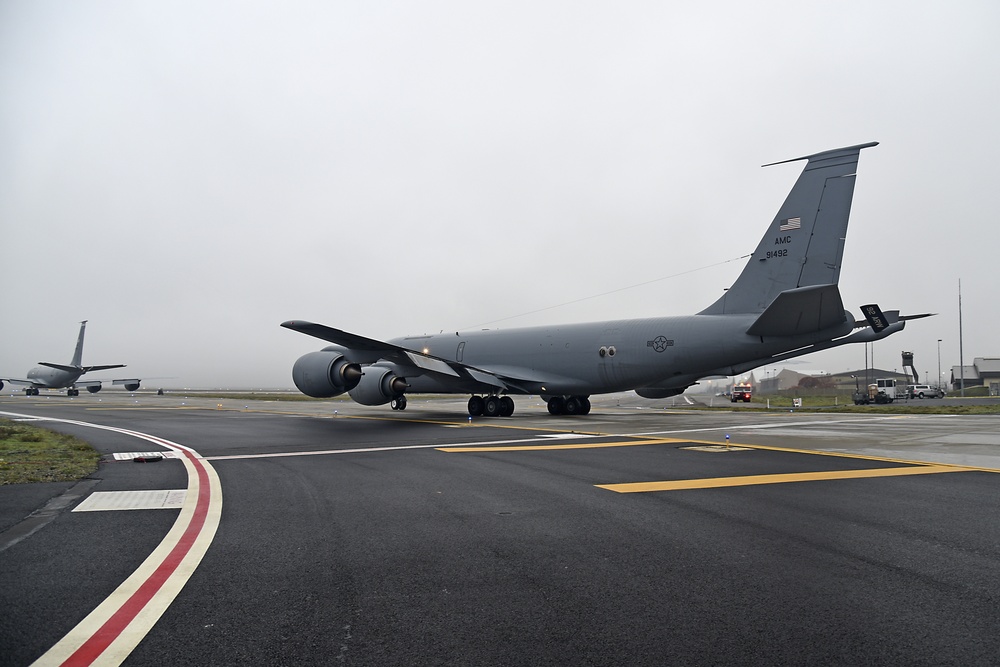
(361, 536)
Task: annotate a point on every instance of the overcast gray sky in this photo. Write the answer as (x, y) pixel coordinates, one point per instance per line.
(188, 175)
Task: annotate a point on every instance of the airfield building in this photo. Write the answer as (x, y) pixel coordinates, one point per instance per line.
(984, 372)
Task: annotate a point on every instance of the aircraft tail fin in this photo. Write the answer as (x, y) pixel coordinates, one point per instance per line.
(78, 353)
(804, 245)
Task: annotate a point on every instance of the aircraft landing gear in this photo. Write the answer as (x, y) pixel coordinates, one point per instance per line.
(72, 392)
(31, 391)
(398, 403)
(569, 405)
(491, 406)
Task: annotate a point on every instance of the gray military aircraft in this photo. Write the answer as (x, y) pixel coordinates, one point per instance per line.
(785, 303)
(67, 376)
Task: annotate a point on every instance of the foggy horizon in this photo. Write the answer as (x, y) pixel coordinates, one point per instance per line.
(187, 176)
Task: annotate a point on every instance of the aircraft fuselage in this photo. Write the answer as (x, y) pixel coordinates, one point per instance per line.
(604, 357)
(52, 378)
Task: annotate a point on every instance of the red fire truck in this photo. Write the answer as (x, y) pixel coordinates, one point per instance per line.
(741, 392)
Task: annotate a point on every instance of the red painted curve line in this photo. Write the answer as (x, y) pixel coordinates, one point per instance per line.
(114, 626)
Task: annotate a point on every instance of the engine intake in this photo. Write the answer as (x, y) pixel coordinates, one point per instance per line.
(325, 374)
(378, 386)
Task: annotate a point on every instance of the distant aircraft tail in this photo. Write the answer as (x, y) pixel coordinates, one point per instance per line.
(78, 353)
(76, 366)
(804, 245)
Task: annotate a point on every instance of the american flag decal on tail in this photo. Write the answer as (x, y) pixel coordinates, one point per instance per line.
(790, 224)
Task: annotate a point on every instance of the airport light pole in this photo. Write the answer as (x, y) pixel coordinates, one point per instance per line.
(961, 351)
(939, 363)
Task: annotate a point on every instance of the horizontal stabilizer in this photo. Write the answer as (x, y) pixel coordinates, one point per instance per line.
(61, 367)
(800, 311)
(890, 318)
(904, 318)
(79, 369)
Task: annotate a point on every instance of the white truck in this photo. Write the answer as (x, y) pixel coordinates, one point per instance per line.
(882, 391)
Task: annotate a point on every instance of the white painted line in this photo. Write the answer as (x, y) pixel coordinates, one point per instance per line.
(104, 501)
(316, 453)
(750, 427)
(395, 448)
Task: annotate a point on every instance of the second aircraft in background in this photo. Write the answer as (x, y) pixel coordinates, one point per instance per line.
(49, 375)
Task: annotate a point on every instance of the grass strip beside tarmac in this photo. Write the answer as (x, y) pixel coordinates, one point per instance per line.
(32, 454)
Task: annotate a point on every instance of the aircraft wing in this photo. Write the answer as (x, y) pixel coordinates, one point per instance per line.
(338, 337)
(15, 381)
(423, 363)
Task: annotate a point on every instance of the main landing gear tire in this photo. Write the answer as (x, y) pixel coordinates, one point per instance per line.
(398, 403)
(506, 406)
(491, 406)
(569, 405)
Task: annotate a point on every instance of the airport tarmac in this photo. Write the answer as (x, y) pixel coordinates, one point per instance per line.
(329, 533)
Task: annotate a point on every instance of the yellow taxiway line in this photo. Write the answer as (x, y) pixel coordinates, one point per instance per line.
(753, 480)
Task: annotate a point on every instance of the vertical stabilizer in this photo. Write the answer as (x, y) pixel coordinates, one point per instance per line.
(78, 353)
(804, 245)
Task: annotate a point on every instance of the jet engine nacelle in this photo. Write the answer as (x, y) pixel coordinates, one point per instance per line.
(378, 386)
(130, 384)
(659, 392)
(94, 388)
(325, 374)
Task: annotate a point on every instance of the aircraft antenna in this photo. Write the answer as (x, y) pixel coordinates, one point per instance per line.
(614, 291)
